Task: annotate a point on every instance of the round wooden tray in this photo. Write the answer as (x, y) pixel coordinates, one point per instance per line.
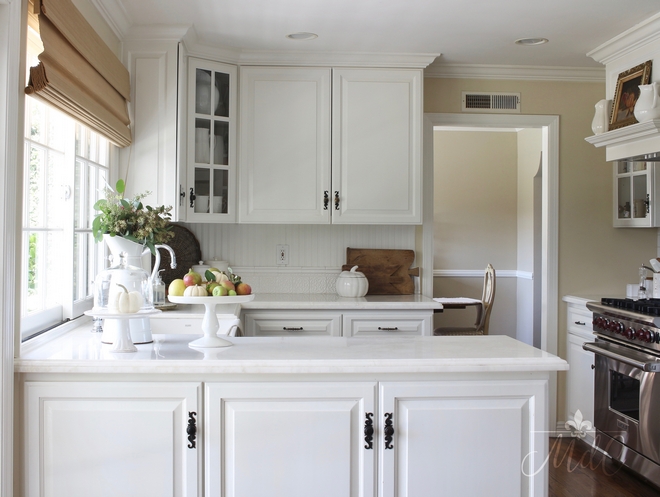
(186, 250)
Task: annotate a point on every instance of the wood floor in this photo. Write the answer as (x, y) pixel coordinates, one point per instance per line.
(578, 470)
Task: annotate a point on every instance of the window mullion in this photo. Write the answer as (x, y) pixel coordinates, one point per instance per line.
(68, 185)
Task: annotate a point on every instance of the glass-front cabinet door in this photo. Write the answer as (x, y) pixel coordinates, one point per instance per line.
(634, 194)
(211, 158)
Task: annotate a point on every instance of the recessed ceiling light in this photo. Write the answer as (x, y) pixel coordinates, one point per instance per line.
(531, 41)
(302, 36)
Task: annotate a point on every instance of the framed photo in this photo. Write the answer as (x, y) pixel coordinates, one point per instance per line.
(627, 93)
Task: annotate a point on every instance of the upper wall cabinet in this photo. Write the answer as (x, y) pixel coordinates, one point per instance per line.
(636, 191)
(211, 138)
(320, 145)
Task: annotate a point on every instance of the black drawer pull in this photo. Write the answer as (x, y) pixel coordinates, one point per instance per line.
(368, 430)
(580, 323)
(191, 430)
(388, 431)
(388, 329)
(293, 329)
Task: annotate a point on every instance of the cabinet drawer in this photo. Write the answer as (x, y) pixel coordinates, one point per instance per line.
(288, 324)
(387, 324)
(177, 325)
(579, 320)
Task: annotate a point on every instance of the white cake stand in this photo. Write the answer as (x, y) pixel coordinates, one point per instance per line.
(210, 324)
(123, 342)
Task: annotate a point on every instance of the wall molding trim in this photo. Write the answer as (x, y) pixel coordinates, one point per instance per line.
(524, 73)
(478, 273)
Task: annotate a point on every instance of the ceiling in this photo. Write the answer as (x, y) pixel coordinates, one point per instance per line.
(463, 31)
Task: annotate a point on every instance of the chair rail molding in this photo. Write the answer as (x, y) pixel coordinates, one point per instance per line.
(479, 273)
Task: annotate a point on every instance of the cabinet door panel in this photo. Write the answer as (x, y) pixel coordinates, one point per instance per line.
(464, 438)
(285, 145)
(376, 146)
(110, 439)
(295, 440)
(579, 380)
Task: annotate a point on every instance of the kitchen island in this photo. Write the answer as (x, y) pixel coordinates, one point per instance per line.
(328, 416)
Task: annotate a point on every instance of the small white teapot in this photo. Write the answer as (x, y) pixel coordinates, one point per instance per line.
(352, 283)
(647, 106)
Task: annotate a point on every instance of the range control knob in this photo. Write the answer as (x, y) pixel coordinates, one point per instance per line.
(631, 333)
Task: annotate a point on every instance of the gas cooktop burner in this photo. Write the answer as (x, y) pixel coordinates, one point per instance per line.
(648, 307)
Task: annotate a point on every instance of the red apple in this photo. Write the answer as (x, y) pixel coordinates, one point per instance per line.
(191, 278)
(243, 289)
(228, 285)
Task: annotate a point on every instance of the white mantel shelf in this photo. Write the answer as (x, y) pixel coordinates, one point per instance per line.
(630, 141)
(80, 351)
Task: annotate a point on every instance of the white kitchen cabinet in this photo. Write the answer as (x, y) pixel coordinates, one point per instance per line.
(105, 439)
(289, 439)
(308, 323)
(383, 323)
(210, 163)
(636, 191)
(338, 323)
(297, 168)
(580, 376)
(462, 438)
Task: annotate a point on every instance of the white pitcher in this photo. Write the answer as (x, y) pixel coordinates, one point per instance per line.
(601, 117)
(647, 107)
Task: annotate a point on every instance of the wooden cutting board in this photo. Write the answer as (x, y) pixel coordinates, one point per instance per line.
(388, 270)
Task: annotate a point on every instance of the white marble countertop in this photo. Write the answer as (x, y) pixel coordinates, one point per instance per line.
(80, 351)
(310, 302)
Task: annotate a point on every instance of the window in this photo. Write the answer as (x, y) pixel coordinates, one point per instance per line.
(66, 170)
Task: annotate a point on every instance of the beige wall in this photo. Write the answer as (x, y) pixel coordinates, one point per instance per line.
(594, 258)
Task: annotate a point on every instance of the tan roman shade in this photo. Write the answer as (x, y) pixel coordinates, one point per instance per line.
(79, 74)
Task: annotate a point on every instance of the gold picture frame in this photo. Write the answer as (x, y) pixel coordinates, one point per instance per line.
(627, 93)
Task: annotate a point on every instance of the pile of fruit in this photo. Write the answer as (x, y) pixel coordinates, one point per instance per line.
(215, 283)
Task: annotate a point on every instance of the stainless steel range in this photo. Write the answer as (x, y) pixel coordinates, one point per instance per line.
(626, 383)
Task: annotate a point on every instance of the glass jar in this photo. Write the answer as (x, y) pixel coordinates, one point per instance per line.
(111, 283)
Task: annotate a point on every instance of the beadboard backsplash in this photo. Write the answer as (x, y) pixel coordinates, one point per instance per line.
(316, 252)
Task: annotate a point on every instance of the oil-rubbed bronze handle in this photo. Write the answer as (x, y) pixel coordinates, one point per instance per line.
(192, 198)
(191, 430)
(293, 329)
(336, 200)
(388, 431)
(580, 323)
(326, 200)
(368, 430)
(388, 329)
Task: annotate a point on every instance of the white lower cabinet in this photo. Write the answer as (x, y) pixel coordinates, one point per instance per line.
(325, 437)
(580, 376)
(384, 323)
(311, 323)
(338, 323)
(463, 438)
(110, 439)
(288, 439)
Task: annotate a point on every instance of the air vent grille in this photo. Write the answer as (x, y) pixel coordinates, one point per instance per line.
(491, 102)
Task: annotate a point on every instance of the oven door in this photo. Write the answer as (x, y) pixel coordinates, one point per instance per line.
(627, 397)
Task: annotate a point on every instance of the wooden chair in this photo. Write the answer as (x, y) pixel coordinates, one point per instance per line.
(483, 313)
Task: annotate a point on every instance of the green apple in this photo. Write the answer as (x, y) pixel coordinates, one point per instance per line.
(219, 291)
(210, 286)
(231, 293)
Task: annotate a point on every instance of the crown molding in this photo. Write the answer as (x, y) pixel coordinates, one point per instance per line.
(157, 32)
(346, 59)
(531, 73)
(640, 35)
(115, 15)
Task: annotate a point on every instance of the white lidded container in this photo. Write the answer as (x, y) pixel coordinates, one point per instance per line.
(352, 283)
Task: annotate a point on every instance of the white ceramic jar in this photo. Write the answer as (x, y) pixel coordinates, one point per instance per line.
(352, 283)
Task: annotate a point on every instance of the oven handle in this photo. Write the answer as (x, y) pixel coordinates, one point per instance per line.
(596, 348)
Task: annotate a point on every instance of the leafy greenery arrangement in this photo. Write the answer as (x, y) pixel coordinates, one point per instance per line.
(130, 219)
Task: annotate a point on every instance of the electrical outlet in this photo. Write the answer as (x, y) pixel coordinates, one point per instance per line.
(282, 255)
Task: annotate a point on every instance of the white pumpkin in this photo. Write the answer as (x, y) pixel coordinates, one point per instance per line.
(352, 284)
